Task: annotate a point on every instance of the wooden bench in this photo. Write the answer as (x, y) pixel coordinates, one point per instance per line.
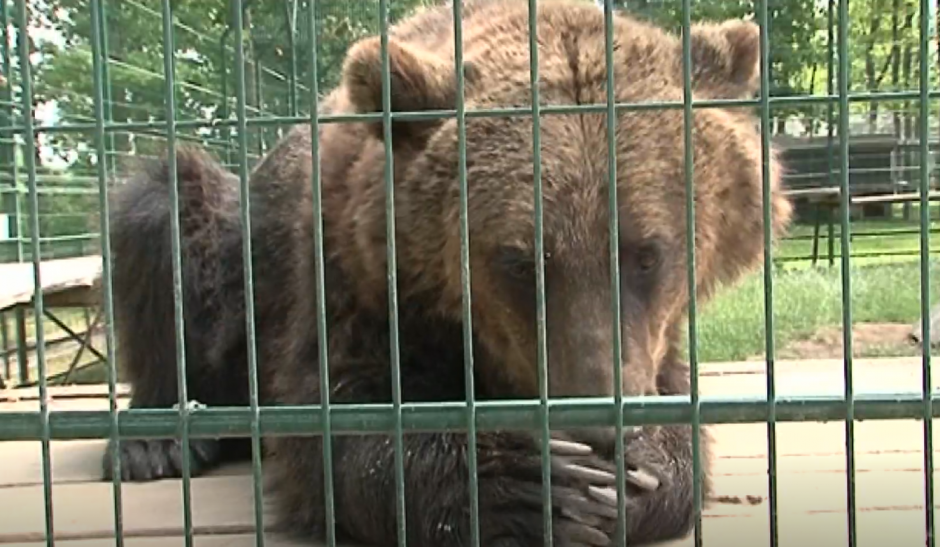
(66, 283)
(828, 199)
(824, 200)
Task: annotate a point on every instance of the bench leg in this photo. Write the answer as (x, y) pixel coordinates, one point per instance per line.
(816, 223)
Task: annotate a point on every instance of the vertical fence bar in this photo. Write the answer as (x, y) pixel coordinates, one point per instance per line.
(925, 335)
(225, 133)
(8, 158)
(5, 346)
(17, 231)
(690, 264)
(469, 384)
(290, 8)
(245, 213)
(322, 333)
(29, 138)
(8, 143)
(846, 272)
(19, 315)
(22, 353)
(99, 60)
(392, 273)
(259, 101)
(106, 79)
(768, 273)
(613, 224)
(830, 117)
(7, 111)
(169, 75)
(542, 350)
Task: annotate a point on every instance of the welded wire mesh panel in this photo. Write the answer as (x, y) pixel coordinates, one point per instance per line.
(234, 76)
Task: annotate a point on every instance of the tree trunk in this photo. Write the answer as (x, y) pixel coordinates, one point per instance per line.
(871, 73)
(810, 122)
(906, 65)
(895, 59)
(250, 62)
(37, 143)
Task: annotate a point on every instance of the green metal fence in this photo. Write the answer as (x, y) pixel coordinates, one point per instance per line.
(276, 89)
(471, 416)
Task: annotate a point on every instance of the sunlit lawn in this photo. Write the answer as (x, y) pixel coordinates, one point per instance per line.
(885, 289)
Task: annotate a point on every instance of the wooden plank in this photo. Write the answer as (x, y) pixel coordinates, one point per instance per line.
(78, 391)
(73, 297)
(18, 287)
(58, 404)
(72, 462)
(894, 528)
(811, 475)
(224, 504)
(893, 198)
(799, 529)
(88, 509)
(826, 195)
(821, 191)
(220, 540)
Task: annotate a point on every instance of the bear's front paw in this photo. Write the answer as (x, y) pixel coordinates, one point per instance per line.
(599, 480)
(657, 466)
(583, 497)
(146, 460)
(648, 464)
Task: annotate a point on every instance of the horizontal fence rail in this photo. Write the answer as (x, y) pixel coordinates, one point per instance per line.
(416, 417)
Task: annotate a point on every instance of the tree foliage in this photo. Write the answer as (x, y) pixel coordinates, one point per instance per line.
(276, 75)
(883, 47)
(883, 50)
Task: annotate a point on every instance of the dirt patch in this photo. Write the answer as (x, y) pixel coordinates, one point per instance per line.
(868, 340)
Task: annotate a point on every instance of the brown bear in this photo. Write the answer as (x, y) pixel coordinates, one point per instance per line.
(651, 198)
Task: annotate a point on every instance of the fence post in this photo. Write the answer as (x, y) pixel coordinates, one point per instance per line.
(5, 335)
(22, 357)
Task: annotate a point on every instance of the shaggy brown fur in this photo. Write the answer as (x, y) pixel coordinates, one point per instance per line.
(651, 205)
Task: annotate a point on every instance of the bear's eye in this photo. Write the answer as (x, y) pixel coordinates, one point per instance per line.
(518, 263)
(647, 258)
(521, 270)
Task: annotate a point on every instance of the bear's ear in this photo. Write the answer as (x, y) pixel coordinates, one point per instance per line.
(725, 59)
(419, 80)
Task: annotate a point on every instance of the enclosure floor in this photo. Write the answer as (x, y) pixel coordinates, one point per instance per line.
(811, 476)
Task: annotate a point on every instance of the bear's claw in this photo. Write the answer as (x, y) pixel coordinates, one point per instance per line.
(637, 477)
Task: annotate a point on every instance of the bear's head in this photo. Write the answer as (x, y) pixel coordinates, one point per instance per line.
(650, 183)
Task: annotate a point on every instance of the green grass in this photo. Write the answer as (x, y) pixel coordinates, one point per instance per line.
(731, 326)
(885, 286)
